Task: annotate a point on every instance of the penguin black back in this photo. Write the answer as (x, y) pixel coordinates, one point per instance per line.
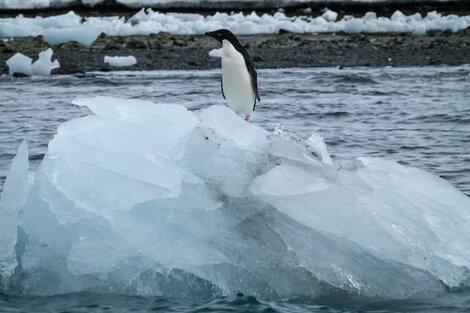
(225, 34)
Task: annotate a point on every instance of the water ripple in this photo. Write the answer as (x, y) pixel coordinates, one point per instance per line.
(417, 116)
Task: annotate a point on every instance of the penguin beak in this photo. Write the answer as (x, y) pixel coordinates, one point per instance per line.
(212, 34)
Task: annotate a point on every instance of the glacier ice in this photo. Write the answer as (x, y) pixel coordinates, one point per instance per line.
(152, 199)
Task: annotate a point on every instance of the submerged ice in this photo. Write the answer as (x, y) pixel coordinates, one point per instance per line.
(152, 199)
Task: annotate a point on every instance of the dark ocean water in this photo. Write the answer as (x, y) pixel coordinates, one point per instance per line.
(84, 302)
(416, 116)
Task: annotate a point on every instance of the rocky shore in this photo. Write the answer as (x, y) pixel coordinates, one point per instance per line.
(169, 52)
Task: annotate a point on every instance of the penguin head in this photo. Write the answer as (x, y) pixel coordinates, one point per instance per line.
(222, 34)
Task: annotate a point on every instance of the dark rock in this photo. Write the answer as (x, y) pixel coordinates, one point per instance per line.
(166, 51)
(5, 48)
(112, 46)
(137, 44)
(100, 42)
(19, 75)
(283, 31)
(180, 43)
(464, 32)
(155, 45)
(39, 44)
(71, 46)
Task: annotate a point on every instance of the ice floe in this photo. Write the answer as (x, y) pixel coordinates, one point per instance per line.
(152, 199)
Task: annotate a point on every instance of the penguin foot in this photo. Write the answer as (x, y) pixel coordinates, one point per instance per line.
(247, 118)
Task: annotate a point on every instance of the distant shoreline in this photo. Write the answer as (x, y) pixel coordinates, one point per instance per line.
(315, 8)
(172, 52)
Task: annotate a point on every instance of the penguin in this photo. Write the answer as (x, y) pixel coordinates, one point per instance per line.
(239, 77)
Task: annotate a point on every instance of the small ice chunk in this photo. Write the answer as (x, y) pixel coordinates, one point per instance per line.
(120, 61)
(318, 144)
(216, 53)
(43, 66)
(19, 63)
(330, 16)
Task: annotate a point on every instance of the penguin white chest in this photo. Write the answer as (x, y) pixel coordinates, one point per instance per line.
(236, 80)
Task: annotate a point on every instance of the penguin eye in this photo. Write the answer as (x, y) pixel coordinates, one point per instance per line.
(219, 34)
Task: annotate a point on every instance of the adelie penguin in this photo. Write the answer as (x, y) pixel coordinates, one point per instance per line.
(239, 78)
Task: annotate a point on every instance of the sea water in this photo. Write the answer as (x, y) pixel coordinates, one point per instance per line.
(416, 116)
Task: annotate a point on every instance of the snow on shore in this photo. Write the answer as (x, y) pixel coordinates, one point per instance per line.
(72, 27)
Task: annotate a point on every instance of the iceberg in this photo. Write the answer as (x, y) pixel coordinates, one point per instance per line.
(146, 198)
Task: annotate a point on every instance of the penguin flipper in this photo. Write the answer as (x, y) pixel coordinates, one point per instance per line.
(222, 88)
(254, 77)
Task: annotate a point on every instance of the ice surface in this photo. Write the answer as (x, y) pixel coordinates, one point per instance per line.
(72, 27)
(120, 61)
(152, 199)
(12, 200)
(20, 63)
